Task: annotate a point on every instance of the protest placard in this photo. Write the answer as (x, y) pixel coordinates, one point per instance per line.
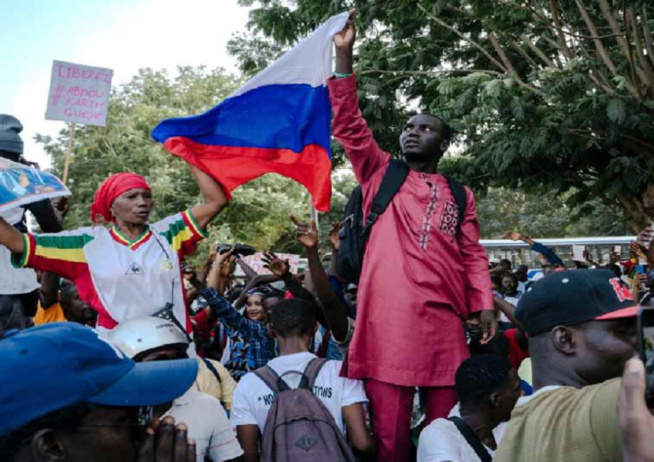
(22, 184)
(578, 252)
(79, 94)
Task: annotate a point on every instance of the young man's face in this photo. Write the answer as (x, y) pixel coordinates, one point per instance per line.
(421, 137)
(77, 310)
(603, 347)
(508, 395)
(107, 434)
(509, 285)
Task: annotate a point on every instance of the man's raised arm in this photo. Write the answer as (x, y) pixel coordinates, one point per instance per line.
(348, 125)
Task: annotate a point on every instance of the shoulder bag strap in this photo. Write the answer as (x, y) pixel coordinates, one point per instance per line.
(461, 198)
(312, 371)
(394, 177)
(212, 368)
(471, 439)
(269, 377)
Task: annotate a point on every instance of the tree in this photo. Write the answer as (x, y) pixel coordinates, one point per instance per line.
(544, 216)
(555, 95)
(257, 216)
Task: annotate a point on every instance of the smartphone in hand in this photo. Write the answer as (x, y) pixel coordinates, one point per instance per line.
(240, 250)
(646, 349)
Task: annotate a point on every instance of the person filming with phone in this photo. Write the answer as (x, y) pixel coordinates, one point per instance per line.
(582, 331)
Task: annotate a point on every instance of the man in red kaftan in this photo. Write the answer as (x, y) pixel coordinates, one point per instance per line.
(420, 278)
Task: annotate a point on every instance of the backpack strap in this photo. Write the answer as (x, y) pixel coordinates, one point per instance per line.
(471, 439)
(212, 368)
(312, 371)
(394, 177)
(461, 198)
(268, 376)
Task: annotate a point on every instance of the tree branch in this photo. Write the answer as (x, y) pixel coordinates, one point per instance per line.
(559, 28)
(622, 42)
(467, 39)
(642, 59)
(595, 35)
(601, 51)
(538, 52)
(524, 54)
(647, 32)
(433, 72)
(509, 66)
(556, 46)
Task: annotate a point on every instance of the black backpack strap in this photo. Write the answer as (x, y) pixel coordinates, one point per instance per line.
(312, 371)
(212, 368)
(269, 377)
(393, 179)
(461, 198)
(471, 439)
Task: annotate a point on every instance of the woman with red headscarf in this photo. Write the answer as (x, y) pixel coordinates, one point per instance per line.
(128, 269)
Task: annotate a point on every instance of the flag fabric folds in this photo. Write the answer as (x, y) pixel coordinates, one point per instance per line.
(277, 122)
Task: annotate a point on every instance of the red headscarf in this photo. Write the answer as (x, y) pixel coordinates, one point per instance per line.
(110, 189)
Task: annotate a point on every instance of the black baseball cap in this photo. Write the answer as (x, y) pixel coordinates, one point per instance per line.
(568, 298)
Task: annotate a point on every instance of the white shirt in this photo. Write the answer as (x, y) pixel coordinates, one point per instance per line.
(441, 441)
(120, 278)
(253, 398)
(15, 280)
(513, 300)
(208, 425)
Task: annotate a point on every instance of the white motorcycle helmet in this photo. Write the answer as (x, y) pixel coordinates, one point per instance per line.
(138, 337)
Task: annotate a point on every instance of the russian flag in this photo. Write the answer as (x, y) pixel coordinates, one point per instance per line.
(278, 121)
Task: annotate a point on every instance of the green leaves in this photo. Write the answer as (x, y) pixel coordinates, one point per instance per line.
(616, 111)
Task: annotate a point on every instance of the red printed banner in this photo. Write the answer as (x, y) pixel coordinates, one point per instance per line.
(79, 93)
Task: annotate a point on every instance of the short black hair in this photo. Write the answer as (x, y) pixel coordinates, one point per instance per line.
(446, 131)
(505, 260)
(496, 279)
(69, 417)
(478, 377)
(499, 346)
(292, 318)
(510, 275)
(68, 290)
(273, 293)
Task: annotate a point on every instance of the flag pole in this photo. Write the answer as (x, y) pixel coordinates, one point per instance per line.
(69, 150)
(313, 213)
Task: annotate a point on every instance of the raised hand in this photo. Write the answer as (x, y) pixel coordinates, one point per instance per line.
(513, 235)
(636, 420)
(275, 265)
(333, 235)
(344, 39)
(344, 44)
(306, 234)
(220, 258)
(166, 441)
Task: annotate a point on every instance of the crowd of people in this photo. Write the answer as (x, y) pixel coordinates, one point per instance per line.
(114, 348)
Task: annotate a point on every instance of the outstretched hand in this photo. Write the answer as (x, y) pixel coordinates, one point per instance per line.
(306, 234)
(276, 265)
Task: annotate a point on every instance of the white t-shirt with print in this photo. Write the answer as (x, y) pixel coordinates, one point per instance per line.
(441, 441)
(253, 398)
(208, 425)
